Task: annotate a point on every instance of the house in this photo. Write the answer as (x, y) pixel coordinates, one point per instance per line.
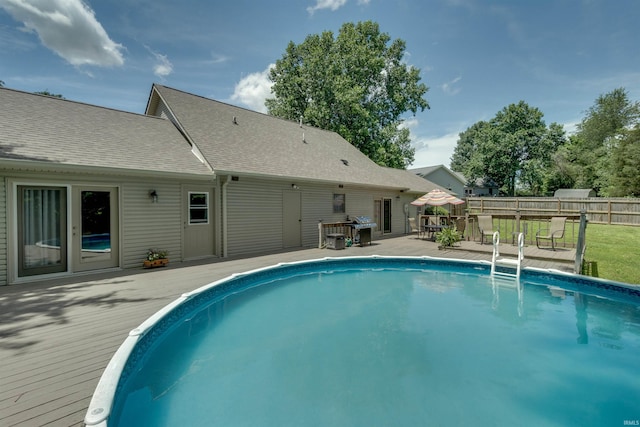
(448, 180)
(88, 188)
(482, 187)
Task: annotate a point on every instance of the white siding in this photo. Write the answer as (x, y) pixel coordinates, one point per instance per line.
(145, 225)
(254, 223)
(254, 216)
(3, 231)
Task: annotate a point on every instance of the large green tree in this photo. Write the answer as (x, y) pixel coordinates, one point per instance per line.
(625, 161)
(598, 139)
(355, 84)
(512, 149)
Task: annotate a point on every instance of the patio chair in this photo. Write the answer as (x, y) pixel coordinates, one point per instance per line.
(555, 231)
(414, 228)
(485, 224)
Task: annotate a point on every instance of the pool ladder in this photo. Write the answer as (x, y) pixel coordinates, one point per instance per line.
(496, 259)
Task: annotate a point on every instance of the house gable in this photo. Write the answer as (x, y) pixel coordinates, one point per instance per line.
(444, 177)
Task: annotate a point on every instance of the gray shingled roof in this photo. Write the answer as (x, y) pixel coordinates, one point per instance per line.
(263, 145)
(54, 132)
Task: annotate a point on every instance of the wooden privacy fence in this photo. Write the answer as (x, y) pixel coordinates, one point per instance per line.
(620, 211)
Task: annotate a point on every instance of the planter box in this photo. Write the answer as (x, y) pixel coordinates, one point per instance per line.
(156, 263)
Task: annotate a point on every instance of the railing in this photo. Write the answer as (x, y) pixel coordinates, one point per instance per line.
(510, 225)
(325, 228)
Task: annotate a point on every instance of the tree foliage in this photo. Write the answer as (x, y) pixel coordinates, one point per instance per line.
(355, 84)
(597, 140)
(511, 149)
(47, 93)
(516, 150)
(625, 162)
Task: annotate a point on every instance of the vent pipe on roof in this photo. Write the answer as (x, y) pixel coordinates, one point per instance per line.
(235, 120)
(303, 138)
(300, 121)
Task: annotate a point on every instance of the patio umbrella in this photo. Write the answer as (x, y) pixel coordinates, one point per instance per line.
(437, 197)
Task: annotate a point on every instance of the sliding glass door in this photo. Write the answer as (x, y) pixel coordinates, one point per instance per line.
(42, 230)
(46, 245)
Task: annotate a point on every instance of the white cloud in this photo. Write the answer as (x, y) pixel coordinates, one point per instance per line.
(432, 151)
(449, 87)
(69, 28)
(253, 90)
(327, 4)
(163, 67)
(332, 5)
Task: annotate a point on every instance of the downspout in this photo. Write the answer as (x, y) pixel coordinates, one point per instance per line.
(224, 216)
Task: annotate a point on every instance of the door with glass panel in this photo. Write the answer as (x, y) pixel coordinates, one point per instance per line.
(198, 225)
(94, 229)
(42, 230)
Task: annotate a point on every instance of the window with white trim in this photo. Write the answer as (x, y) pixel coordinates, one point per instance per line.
(198, 208)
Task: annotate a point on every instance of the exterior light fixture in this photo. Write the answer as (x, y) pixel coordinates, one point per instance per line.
(153, 195)
(295, 187)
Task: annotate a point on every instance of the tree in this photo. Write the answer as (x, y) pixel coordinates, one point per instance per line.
(625, 180)
(511, 149)
(47, 93)
(355, 84)
(598, 137)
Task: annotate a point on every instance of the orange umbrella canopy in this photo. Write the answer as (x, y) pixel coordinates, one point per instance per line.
(437, 197)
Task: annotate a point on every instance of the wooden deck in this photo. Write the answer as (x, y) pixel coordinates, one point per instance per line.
(57, 336)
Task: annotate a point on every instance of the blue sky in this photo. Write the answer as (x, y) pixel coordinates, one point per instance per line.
(475, 56)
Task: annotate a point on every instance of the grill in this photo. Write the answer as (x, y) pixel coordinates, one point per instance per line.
(363, 226)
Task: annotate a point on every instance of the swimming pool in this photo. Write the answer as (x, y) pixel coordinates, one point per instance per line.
(382, 341)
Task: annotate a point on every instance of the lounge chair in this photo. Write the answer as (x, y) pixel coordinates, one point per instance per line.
(414, 227)
(555, 232)
(485, 224)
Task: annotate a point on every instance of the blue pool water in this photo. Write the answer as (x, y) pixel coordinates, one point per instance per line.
(400, 343)
(90, 242)
(96, 242)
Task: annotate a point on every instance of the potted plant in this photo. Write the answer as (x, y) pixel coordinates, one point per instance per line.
(448, 237)
(156, 258)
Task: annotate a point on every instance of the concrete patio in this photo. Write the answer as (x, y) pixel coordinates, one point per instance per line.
(57, 336)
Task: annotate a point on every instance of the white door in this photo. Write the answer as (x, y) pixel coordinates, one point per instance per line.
(94, 228)
(198, 224)
(291, 219)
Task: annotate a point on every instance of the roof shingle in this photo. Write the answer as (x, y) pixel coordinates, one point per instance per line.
(61, 132)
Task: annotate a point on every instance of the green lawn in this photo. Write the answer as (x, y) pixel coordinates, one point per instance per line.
(616, 250)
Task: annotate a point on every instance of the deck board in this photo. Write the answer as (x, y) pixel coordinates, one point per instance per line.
(57, 336)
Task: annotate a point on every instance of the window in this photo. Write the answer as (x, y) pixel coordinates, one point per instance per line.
(198, 208)
(339, 203)
(42, 233)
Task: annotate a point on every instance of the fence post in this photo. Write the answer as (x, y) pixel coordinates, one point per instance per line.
(319, 234)
(581, 245)
(466, 223)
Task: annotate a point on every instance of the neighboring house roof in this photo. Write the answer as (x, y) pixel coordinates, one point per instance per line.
(428, 170)
(235, 140)
(412, 182)
(61, 134)
(574, 193)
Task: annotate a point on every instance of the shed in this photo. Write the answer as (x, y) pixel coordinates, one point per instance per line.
(574, 193)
